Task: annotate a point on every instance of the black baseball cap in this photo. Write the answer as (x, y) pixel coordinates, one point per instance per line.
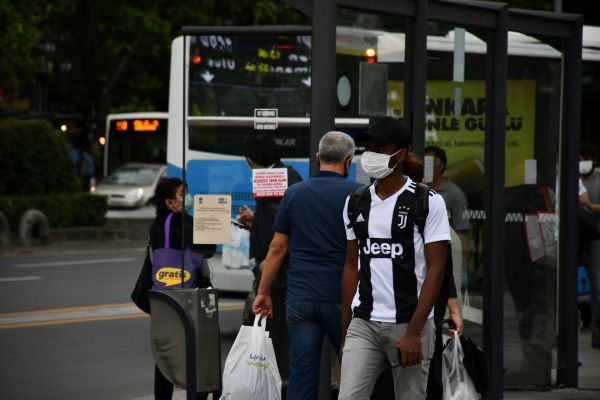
(388, 130)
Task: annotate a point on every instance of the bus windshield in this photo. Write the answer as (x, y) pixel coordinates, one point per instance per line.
(140, 137)
(231, 75)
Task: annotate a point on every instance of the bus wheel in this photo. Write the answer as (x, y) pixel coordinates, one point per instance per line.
(33, 225)
(4, 230)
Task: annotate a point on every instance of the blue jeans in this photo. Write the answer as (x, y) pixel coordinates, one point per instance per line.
(308, 322)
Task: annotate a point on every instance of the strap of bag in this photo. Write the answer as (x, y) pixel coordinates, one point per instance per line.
(353, 203)
(263, 322)
(422, 206)
(168, 231)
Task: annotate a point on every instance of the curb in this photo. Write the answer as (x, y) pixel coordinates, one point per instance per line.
(115, 234)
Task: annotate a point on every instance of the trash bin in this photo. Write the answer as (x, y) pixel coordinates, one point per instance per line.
(177, 316)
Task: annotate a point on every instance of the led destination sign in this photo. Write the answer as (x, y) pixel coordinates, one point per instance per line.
(137, 125)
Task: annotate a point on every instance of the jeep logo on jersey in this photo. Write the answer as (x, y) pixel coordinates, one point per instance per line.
(382, 248)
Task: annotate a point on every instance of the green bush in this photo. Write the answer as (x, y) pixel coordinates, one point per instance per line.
(62, 210)
(34, 160)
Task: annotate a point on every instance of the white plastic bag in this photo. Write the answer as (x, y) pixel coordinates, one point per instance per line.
(457, 383)
(251, 371)
(235, 253)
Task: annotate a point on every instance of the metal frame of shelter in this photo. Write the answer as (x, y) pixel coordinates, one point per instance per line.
(490, 21)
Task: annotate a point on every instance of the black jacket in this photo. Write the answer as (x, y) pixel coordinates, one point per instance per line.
(262, 232)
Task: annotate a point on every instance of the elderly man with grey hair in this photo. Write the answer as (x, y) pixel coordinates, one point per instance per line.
(310, 227)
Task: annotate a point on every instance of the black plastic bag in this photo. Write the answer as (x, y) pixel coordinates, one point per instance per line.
(476, 365)
(139, 295)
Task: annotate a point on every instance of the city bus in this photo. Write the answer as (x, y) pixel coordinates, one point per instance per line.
(135, 137)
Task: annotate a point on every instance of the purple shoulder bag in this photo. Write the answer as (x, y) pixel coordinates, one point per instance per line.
(166, 266)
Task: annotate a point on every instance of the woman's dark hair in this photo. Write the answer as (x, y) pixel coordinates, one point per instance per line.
(165, 189)
(261, 148)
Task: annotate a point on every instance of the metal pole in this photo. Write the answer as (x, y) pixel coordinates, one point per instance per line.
(416, 77)
(568, 244)
(183, 122)
(495, 139)
(323, 84)
(557, 6)
(322, 116)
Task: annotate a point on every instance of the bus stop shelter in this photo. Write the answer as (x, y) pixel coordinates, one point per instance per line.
(511, 313)
(497, 88)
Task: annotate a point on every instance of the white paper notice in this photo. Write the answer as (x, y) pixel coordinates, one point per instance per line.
(530, 172)
(212, 219)
(269, 182)
(428, 169)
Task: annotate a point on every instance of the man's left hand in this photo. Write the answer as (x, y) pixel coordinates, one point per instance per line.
(410, 349)
(458, 323)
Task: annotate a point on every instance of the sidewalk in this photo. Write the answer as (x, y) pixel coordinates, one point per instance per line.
(589, 377)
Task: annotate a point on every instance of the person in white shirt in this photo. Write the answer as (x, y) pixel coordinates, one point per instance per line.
(392, 274)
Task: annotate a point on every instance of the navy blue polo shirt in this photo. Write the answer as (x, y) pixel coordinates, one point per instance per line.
(311, 215)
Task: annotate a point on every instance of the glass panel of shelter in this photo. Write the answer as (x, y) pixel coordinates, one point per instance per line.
(454, 154)
(532, 176)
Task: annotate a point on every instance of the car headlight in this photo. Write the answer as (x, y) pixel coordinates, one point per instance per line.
(137, 193)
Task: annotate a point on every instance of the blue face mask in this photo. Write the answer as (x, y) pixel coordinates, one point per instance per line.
(188, 202)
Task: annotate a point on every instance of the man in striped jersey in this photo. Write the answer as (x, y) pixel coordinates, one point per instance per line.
(392, 274)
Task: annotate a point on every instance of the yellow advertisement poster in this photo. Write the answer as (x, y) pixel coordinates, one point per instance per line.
(463, 138)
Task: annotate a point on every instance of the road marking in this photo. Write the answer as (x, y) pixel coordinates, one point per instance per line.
(76, 262)
(73, 315)
(58, 310)
(21, 278)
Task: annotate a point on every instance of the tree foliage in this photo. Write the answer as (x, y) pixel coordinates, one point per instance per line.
(34, 160)
(110, 55)
(20, 36)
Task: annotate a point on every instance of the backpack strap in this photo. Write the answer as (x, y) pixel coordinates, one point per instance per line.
(353, 204)
(421, 206)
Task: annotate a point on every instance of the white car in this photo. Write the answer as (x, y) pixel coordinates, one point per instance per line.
(131, 185)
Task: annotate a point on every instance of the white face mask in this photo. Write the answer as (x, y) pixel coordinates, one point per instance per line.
(376, 164)
(585, 167)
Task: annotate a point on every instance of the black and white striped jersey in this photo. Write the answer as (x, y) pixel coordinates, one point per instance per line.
(391, 252)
